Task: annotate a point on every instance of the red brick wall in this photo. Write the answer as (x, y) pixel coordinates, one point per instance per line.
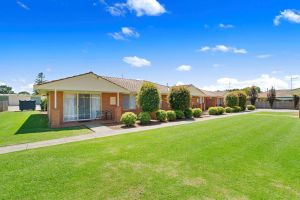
(56, 115)
(210, 102)
(165, 102)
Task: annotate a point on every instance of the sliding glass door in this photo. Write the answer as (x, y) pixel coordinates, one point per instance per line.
(78, 107)
(84, 106)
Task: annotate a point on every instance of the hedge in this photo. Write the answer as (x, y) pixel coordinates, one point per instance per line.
(148, 98)
(161, 115)
(144, 118)
(180, 98)
(128, 118)
(197, 112)
(171, 115)
(232, 99)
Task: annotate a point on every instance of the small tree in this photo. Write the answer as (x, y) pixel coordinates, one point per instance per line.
(24, 93)
(242, 99)
(296, 101)
(272, 96)
(4, 89)
(253, 94)
(148, 98)
(232, 99)
(180, 98)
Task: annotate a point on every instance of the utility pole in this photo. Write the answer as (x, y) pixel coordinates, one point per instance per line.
(292, 79)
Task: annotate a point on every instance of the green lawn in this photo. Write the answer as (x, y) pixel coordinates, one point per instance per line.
(255, 156)
(23, 127)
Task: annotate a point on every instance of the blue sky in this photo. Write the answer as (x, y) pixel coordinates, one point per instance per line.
(212, 44)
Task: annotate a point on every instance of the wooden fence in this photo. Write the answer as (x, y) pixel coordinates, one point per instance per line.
(3, 106)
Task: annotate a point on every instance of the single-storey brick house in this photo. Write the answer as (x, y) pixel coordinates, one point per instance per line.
(213, 99)
(88, 96)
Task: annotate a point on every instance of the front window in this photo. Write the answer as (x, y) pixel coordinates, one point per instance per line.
(129, 102)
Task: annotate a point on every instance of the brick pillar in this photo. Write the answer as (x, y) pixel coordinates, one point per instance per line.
(55, 118)
(117, 113)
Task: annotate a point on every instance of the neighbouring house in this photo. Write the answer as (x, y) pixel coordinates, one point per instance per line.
(284, 100)
(213, 99)
(90, 96)
(197, 96)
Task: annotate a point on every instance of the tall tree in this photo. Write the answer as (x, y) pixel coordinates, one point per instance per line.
(40, 78)
(272, 96)
(4, 89)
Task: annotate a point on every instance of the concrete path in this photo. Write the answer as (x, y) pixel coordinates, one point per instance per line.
(108, 132)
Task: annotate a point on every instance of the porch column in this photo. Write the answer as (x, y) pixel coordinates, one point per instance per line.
(55, 99)
(118, 99)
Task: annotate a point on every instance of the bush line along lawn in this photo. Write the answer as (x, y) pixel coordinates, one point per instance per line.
(24, 127)
(243, 157)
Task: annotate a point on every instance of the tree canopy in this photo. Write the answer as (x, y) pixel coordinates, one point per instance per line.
(4, 89)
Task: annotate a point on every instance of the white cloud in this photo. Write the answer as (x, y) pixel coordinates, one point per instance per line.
(240, 51)
(263, 56)
(125, 33)
(225, 26)
(22, 5)
(1, 83)
(130, 32)
(139, 7)
(264, 81)
(48, 69)
(146, 7)
(185, 68)
(204, 49)
(221, 48)
(224, 49)
(136, 61)
(118, 9)
(288, 15)
(179, 83)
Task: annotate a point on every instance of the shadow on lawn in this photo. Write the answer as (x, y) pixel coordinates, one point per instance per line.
(38, 123)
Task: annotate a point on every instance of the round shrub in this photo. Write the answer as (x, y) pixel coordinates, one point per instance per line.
(144, 118)
(232, 99)
(213, 111)
(188, 113)
(179, 114)
(251, 107)
(161, 115)
(228, 110)
(236, 109)
(180, 98)
(148, 98)
(197, 112)
(128, 118)
(171, 115)
(242, 99)
(221, 110)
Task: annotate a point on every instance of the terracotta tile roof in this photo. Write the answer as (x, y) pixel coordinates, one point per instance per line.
(215, 94)
(134, 85)
(279, 94)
